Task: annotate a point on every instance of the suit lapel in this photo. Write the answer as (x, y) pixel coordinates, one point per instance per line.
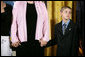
(60, 32)
(60, 28)
(69, 28)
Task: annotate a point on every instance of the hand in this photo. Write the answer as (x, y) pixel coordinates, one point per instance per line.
(16, 44)
(42, 42)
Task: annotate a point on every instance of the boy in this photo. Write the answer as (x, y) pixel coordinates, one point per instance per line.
(65, 35)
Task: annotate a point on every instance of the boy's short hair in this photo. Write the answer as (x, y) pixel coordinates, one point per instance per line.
(65, 7)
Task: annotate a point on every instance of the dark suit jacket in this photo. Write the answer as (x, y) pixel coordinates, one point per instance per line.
(68, 43)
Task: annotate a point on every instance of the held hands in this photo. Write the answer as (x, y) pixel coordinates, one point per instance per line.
(42, 42)
(16, 44)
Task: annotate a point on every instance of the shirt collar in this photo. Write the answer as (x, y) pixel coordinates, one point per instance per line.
(65, 23)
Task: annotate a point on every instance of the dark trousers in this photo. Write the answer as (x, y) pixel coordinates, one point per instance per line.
(30, 49)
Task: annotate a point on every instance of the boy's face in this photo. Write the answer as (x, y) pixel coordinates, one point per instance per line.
(66, 14)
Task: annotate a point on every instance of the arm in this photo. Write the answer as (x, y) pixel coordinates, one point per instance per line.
(45, 28)
(54, 40)
(45, 23)
(14, 27)
(75, 42)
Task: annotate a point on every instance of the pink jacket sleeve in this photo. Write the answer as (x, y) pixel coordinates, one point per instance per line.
(45, 23)
(14, 26)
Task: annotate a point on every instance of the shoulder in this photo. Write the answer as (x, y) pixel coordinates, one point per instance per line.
(58, 24)
(41, 3)
(18, 4)
(73, 24)
(9, 7)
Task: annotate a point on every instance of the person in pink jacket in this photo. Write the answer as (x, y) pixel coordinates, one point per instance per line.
(30, 28)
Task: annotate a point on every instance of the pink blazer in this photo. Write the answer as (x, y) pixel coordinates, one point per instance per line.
(19, 28)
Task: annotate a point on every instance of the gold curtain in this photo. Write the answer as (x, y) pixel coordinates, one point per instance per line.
(54, 18)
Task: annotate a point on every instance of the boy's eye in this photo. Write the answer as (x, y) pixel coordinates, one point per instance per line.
(65, 11)
(69, 12)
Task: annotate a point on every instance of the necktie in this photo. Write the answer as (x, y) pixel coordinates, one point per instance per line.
(64, 28)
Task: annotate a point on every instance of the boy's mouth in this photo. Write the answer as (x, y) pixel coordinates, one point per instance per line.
(66, 19)
(67, 16)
